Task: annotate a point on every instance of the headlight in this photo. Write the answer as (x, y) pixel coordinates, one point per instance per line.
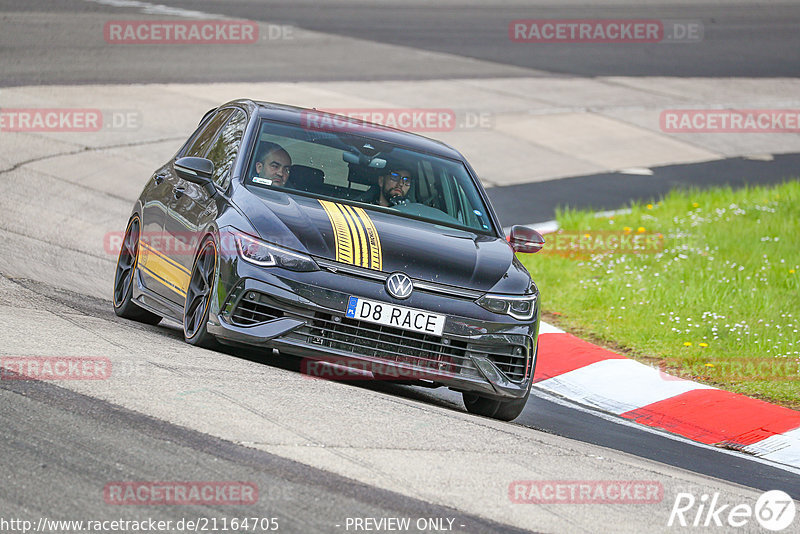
(521, 308)
(258, 252)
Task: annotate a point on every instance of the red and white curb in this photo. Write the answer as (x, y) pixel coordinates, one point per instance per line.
(596, 377)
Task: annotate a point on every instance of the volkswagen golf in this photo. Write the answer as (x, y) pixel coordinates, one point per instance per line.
(336, 241)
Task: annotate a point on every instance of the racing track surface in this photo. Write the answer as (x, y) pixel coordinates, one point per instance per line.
(174, 412)
(48, 428)
(449, 39)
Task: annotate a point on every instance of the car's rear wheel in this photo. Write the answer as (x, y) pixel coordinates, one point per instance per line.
(198, 296)
(123, 278)
(504, 410)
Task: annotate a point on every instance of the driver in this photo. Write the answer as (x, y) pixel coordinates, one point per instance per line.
(395, 183)
(273, 164)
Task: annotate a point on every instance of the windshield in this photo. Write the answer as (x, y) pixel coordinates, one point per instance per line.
(370, 173)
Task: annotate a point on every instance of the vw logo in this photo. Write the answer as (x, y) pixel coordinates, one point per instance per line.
(399, 285)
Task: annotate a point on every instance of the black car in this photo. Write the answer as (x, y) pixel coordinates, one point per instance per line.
(335, 240)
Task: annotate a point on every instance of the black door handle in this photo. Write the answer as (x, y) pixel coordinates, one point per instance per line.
(177, 192)
(159, 178)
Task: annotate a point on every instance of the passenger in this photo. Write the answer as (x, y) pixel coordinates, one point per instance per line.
(395, 183)
(273, 164)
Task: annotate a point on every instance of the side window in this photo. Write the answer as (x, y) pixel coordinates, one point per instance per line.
(223, 151)
(200, 144)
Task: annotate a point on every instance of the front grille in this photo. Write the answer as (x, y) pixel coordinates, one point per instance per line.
(511, 359)
(423, 352)
(420, 351)
(253, 309)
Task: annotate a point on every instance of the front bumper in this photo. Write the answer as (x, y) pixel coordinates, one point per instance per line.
(302, 314)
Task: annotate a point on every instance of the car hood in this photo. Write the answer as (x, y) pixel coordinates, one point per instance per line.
(385, 242)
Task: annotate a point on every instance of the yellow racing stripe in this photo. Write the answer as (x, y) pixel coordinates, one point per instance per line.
(164, 269)
(351, 232)
(373, 239)
(341, 232)
(359, 242)
(355, 237)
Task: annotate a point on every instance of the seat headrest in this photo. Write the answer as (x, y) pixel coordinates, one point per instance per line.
(304, 177)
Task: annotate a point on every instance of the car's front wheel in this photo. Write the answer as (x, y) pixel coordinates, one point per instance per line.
(123, 278)
(198, 296)
(504, 410)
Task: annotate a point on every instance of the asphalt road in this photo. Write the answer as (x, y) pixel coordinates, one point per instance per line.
(737, 40)
(67, 447)
(611, 191)
(448, 39)
(60, 446)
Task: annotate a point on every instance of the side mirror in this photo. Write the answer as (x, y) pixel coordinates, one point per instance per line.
(195, 170)
(199, 171)
(525, 240)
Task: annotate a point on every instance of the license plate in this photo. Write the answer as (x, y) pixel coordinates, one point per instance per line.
(397, 316)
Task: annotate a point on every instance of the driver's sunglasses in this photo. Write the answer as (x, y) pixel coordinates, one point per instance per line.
(394, 177)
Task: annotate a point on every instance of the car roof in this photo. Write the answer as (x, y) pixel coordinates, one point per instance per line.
(348, 125)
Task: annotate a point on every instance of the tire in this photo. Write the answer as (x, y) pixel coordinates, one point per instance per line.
(123, 278)
(198, 296)
(504, 410)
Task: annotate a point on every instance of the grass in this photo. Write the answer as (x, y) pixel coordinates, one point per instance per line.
(719, 303)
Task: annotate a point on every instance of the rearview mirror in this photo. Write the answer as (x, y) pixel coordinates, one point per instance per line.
(525, 240)
(361, 159)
